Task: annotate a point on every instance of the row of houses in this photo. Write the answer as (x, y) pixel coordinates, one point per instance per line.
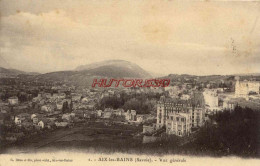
(39, 121)
(128, 116)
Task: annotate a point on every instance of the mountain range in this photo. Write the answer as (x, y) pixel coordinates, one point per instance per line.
(84, 74)
(115, 69)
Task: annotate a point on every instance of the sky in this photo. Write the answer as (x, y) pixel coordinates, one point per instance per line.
(177, 37)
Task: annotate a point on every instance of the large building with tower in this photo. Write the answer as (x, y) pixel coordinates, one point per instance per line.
(179, 116)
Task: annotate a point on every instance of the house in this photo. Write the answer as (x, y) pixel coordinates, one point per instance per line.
(229, 104)
(76, 98)
(185, 97)
(42, 102)
(47, 95)
(211, 99)
(47, 108)
(87, 114)
(13, 100)
(67, 117)
(99, 113)
(111, 92)
(46, 123)
(35, 120)
(127, 115)
(105, 94)
(130, 115)
(107, 113)
(21, 117)
(61, 124)
(72, 115)
(57, 96)
(85, 100)
(59, 105)
(140, 118)
(37, 99)
(41, 124)
(35, 117)
(118, 112)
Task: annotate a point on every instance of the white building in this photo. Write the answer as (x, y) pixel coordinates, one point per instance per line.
(67, 117)
(99, 113)
(47, 108)
(130, 115)
(244, 88)
(211, 99)
(61, 124)
(13, 100)
(41, 124)
(179, 123)
(17, 120)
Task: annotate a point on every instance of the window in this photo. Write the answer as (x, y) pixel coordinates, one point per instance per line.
(182, 119)
(171, 117)
(177, 118)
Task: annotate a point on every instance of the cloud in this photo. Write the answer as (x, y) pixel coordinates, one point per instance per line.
(196, 38)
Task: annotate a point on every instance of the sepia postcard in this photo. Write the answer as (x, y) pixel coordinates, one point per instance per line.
(129, 82)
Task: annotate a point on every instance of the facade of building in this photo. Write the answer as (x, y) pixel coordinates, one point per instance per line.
(211, 99)
(13, 100)
(179, 123)
(130, 115)
(244, 88)
(179, 116)
(229, 104)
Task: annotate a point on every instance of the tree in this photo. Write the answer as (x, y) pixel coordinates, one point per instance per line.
(71, 106)
(236, 133)
(65, 107)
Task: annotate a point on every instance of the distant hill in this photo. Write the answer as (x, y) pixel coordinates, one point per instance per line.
(114, 68)
(10, 72)
(84, 75)
(211, 78)
(13, 72)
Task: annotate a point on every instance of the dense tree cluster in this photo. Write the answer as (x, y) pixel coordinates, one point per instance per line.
(66, 107)
(235, 132)
(143, 103)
